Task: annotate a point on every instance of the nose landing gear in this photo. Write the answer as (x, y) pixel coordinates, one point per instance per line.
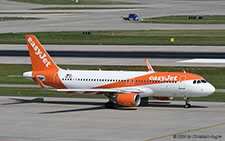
(187, 104)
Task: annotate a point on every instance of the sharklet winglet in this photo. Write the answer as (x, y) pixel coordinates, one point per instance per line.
(148, 65)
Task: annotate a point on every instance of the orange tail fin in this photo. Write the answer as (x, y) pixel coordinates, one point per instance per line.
(40, 59)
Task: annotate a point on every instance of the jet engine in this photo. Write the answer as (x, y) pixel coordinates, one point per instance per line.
(128, 100)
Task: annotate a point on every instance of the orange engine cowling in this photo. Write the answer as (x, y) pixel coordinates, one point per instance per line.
(128, 100)
(163, 98)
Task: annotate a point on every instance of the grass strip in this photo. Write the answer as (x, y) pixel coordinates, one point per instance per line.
(38, 12)
(85, 8)
(140, 37)
(216, 97)
(211, 74)
(73, 2)
(17, 18)
(206, 19)
(38, 92)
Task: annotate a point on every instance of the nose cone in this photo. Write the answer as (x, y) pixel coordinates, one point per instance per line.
(209, 89)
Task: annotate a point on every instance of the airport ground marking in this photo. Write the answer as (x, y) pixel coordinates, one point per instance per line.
(188, 131)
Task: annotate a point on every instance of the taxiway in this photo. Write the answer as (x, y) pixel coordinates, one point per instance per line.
(69, 119)
(212, 56)
(106, 19)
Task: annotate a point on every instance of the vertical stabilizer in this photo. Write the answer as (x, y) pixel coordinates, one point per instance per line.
(40, 59)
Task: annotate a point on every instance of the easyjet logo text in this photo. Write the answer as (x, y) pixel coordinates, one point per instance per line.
(38, 52)
(164, 78)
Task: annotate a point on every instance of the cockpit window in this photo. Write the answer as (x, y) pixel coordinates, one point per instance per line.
(203, 81)
(199, 81)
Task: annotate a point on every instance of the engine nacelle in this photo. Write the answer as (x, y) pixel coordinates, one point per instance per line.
(128, 100)
(163, 98)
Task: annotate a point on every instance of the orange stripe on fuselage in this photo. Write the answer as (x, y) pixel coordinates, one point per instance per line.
(152, 78)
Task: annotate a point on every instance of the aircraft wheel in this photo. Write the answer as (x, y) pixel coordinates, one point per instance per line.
(187, 106)
(109, 105)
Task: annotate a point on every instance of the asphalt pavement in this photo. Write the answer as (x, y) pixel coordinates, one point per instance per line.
(212, 56)
(107, 19)
(82, 119)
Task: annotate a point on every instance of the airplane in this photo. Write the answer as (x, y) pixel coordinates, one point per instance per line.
(124, 88)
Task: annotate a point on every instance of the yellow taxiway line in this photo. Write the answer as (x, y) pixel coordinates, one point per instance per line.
(191, 130)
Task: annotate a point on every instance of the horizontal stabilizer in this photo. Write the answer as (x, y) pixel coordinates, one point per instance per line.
(16, 76)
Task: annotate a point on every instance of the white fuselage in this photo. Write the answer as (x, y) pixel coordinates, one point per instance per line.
(74, 79)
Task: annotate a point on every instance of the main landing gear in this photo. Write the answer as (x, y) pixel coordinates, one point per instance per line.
(110, 105)
(187, 104)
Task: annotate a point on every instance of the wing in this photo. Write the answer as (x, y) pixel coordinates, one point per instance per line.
(99, 90)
